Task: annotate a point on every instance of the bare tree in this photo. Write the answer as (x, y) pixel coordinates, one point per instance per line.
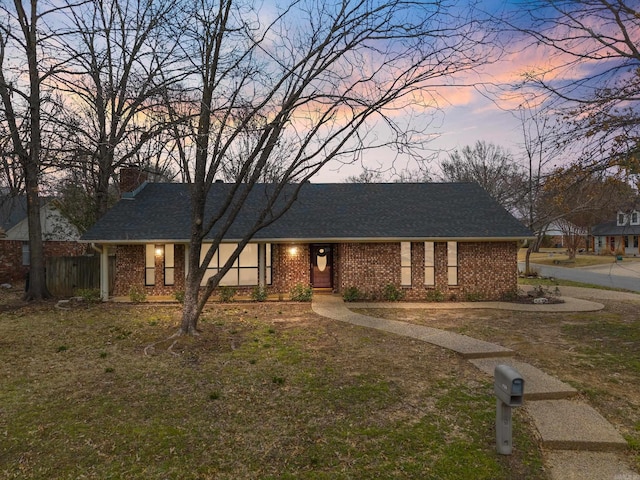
(540, 150)
(25, 35)
(120, 66)
(492, 167)
(311, 81)
(593, 70)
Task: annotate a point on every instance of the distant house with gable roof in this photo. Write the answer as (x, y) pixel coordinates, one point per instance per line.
(60, 237)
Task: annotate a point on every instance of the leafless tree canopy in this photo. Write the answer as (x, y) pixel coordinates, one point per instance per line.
(492, 167)
(592, 70)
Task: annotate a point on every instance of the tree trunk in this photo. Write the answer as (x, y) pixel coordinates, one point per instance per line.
(190, 312)
(527, 265)
(31, 163)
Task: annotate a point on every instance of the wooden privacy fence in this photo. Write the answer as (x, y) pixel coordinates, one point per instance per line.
(65, 275)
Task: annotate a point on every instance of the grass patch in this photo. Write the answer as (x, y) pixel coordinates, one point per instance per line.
(555, 282)
(264, 392)
(549, 256)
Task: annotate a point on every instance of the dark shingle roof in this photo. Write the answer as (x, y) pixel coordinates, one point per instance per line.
(346, 211)
(613, 229)
(12, 211)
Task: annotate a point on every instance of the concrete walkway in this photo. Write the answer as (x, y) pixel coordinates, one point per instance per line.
(578, 443)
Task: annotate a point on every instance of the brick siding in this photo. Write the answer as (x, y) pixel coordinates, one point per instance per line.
(486, 270)
(130, 271)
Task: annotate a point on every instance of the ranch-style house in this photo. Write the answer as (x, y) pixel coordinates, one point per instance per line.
(449, 238)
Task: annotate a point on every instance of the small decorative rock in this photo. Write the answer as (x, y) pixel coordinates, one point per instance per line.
(6, 286)
(540, 300)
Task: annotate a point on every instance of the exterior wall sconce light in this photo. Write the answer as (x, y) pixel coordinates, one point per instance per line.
(293, 251)
(159, 250)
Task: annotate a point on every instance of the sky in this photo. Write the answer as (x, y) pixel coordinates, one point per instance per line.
(467, 114)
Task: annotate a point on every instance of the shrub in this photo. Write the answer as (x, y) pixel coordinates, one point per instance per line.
(179, 296)
(511, 295)
(391, 293)
(227, 294)
(474, 297)
(301, 293)
(137, 294)
(89, 295)
(434, 296)
(352, 294)
(259, 293)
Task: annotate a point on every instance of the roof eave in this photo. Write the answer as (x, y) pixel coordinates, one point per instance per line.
(323, 240)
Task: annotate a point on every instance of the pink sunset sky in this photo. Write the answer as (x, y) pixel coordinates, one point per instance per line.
(475, 107)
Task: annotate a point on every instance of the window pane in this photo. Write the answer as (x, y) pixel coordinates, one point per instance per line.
(248, 276)
(225, 251)
(150, 276)
(452, 254)
(452, 275)
(168, 276)
(405, 254)
(429, 254)
(203, 252)
(150, 255)
(268, 255)
(231, 278)
(26, 258)
(168, 255)
(429, 276)
(405, 278)
(249, 255)
(208, 274)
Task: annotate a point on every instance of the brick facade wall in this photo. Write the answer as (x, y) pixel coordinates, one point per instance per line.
(289, 268)
(11, 268)
(130, 271)
(368, 266)
(486, 270)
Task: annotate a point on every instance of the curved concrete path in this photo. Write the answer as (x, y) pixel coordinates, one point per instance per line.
(579, 444)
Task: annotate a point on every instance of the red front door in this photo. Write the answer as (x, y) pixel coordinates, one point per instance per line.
(321, 262)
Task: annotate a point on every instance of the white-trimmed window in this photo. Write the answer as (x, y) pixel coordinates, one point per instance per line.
(405, 264)
(169, 264)
(243, 272)
(635, 218)
(429, 264)
(150, 264)
(452, 263)
(622, 219)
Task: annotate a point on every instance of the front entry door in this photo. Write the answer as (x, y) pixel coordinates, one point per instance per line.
(321, 262)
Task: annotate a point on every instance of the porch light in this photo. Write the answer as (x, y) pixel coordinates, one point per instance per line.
(293, 251)
(159, 251)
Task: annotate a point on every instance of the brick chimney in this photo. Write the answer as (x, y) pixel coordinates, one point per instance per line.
(131, 178)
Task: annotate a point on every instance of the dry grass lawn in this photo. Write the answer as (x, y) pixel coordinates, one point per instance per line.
(596, 352)
(267, 391)
(547, 256)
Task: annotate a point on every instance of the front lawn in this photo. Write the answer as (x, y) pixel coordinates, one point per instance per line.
(267, 391)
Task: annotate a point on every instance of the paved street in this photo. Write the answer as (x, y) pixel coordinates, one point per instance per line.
(615, 275)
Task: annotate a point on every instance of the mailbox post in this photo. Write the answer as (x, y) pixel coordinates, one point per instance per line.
(508, 386)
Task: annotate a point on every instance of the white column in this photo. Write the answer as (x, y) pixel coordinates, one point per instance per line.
(262, 264)
(104, 273)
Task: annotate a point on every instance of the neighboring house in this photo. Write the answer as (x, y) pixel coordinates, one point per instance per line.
(619, 236)
(60, 237)
(447, 237)
(564, 234)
